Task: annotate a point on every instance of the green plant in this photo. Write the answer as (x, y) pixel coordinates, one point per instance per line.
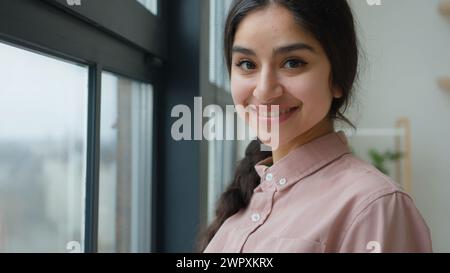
(379, 159)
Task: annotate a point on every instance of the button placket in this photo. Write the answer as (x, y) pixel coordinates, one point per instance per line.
(255, 217)
(260, 213)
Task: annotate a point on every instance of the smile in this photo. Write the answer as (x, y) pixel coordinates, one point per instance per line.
(278, 116)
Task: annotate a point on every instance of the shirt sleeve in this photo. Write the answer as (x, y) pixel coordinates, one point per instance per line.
(390, 223)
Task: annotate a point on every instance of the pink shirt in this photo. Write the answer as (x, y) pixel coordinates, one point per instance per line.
(321, 198)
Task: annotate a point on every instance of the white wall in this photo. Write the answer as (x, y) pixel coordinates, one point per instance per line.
(407, 47)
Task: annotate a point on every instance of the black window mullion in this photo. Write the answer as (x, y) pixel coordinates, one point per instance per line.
(93, 160)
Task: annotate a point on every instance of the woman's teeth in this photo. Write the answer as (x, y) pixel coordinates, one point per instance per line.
(275, 114)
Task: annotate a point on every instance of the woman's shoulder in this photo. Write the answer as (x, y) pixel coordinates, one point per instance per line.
(357, 181)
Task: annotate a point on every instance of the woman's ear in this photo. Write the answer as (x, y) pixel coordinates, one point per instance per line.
(337, 92)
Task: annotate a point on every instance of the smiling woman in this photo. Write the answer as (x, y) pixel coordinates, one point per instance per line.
(269, 59)
(309, 194)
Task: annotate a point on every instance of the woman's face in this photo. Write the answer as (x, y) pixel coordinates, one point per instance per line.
(275, 62)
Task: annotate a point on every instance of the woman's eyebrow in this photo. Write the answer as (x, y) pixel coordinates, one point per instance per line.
(276, 51)
(243, 50)
(293, 47)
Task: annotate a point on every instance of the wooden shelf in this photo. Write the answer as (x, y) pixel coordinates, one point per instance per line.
(444, 7)
(444, 83)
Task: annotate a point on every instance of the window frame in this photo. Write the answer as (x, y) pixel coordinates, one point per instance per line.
(215, 91)
(87, 35)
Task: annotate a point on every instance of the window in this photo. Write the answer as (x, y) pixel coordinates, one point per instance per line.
(43, 114)
(76, 141)
(151, 5)
(217, 69)
(125, 160)
(222, 154)
(221, 157)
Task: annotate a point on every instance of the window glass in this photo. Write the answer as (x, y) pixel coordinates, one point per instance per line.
(43, 121)
(125, 165)
(223, 155)
(151, 5)
(217, 69)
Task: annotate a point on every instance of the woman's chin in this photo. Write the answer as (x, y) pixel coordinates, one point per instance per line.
(273, 143)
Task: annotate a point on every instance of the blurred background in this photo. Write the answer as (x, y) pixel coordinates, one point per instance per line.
(87, 159)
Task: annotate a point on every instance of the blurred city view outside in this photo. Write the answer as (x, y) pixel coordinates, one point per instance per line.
(43, 151)
(43, 114)
(125, 165)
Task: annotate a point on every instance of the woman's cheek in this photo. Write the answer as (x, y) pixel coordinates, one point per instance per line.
(302, 87)
(241, 91)
(310, 89)
(314, 93)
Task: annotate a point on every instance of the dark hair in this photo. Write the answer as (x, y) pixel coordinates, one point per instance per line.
(331, 23)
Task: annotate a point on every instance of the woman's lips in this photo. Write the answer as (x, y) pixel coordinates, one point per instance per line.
(271, 114)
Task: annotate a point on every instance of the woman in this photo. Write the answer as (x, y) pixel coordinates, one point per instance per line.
(310, 194)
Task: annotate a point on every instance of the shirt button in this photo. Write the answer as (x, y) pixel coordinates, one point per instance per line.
(282, 181)
(255, 217)
(269, 177)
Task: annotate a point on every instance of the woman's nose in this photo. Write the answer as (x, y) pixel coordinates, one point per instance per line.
(268, 87)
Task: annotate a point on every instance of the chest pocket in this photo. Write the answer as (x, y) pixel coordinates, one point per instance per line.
(298, 245)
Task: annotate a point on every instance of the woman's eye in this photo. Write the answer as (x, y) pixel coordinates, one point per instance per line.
(246, 65)
(292, 64)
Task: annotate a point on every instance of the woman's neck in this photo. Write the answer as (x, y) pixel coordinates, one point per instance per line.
(322, 128)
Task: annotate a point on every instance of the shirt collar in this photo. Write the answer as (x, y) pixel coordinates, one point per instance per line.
(301, 162)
